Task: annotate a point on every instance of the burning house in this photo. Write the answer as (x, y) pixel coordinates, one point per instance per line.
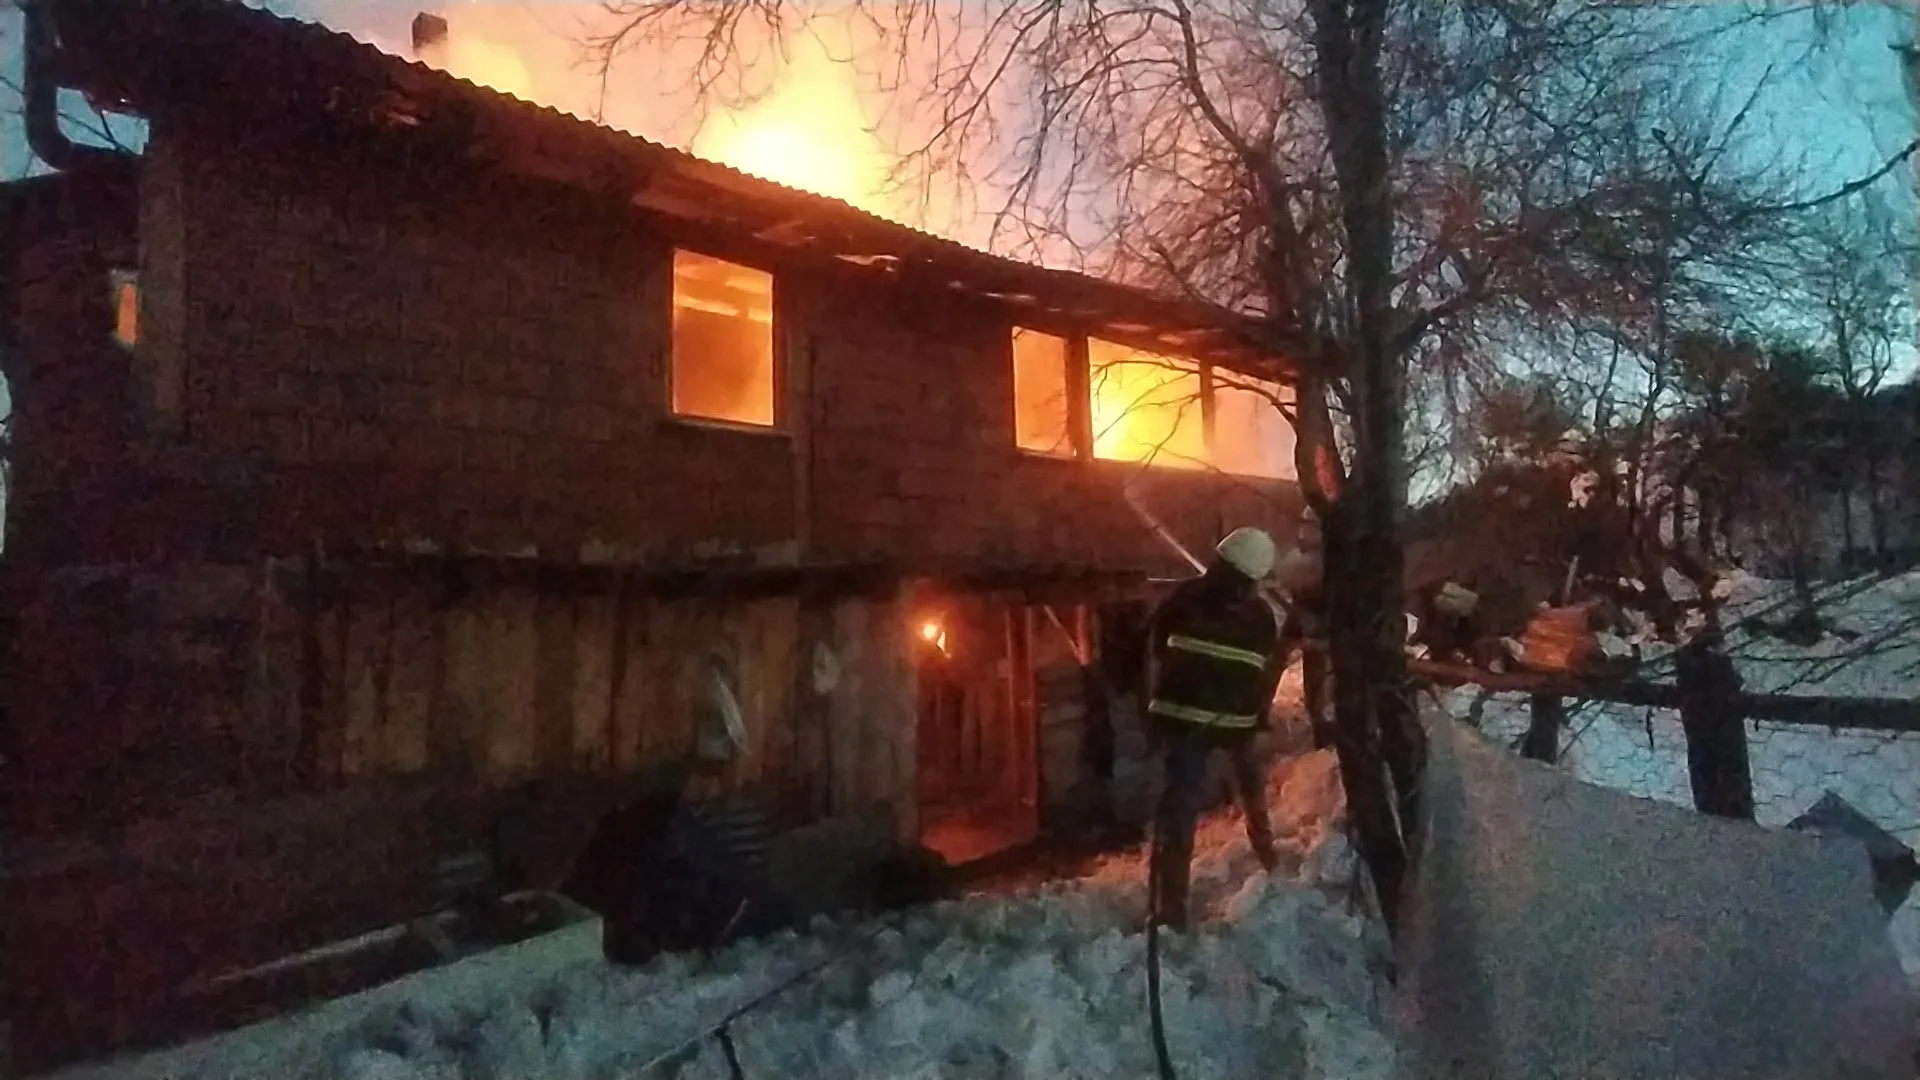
(383, 443)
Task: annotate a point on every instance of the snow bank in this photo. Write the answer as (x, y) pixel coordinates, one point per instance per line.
(1642, 751)
(1562, 930)
(1276, 982)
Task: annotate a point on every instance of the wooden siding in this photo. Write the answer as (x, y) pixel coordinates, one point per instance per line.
(329, 730)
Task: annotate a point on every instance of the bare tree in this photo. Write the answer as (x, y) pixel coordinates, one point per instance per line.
(1859, 282)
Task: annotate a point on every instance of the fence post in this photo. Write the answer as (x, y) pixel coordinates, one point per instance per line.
(1542, 741)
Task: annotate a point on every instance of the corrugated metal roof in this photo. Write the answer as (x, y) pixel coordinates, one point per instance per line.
(143, 35)
(319, 30)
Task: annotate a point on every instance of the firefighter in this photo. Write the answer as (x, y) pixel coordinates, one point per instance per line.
(1216, 659)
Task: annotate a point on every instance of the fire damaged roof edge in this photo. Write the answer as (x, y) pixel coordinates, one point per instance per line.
(131, 51)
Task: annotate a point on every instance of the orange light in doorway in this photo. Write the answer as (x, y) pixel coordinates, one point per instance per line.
(126, 308)
(934, 634)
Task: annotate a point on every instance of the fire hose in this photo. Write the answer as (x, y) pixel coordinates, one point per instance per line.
(721, 1030)
(1163, 1058)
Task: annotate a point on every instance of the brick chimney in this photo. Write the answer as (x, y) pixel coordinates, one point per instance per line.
(429, 34)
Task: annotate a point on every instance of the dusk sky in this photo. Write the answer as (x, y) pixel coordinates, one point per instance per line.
(1844, 110)
(1837, 105)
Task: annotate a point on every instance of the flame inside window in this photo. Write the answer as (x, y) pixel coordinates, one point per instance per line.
(722, 341)
(126, 308)
(1251, 437)
(1042, 419)
(1146, 407)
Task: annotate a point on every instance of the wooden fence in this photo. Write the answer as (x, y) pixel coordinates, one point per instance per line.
(1842, 713)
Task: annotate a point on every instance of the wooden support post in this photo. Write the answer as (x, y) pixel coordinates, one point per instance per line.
(1542, 741)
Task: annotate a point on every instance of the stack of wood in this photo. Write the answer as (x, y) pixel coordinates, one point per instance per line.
(1563, 640)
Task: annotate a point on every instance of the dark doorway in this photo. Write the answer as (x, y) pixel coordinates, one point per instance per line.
(978, 748)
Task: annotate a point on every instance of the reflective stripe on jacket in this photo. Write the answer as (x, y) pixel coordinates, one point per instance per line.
(1219, 654)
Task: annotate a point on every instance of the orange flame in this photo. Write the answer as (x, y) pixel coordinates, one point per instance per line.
(478, 60)
(1145, 407)
(934, 634)
(811, 130)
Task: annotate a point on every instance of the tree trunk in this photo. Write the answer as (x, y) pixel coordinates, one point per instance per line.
(1877, 511)
(1846, 520)
(1717, 760)
(1364, 706)
(1380, 743)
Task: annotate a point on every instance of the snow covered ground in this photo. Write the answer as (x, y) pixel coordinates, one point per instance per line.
(1562, 930)
(1876, 653)
(1277, 981)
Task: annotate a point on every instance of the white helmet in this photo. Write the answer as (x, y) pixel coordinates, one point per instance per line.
(1248, 550)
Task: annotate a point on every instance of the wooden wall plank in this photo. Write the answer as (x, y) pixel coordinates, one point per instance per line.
(630, 707)
(271, 736)
(327, 657)
(808, 788)
(511, 658)
(592, 689)
(497, 680)
(1027, 715)
(659, 630)
(746, 637)
(782, 658)
(460, 722)
(414, 672)
(764, 642)
(556, 649)
(898, 718)
(364, 644)
(845, 721)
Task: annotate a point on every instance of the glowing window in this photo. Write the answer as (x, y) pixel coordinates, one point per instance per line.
(1146, 407)
(1042, 407)
(126, 307)
(722, 365)
(1250, 435)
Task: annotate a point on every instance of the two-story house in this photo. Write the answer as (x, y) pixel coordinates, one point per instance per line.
(381, 441)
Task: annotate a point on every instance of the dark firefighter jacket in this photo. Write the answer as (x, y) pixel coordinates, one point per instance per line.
(1219, 653)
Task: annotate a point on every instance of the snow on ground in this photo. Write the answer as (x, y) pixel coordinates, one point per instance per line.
(1275, 982)
(1562, 930)
(1876, 653)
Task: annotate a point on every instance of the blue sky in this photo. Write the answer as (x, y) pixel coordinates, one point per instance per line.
(1844, 108)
